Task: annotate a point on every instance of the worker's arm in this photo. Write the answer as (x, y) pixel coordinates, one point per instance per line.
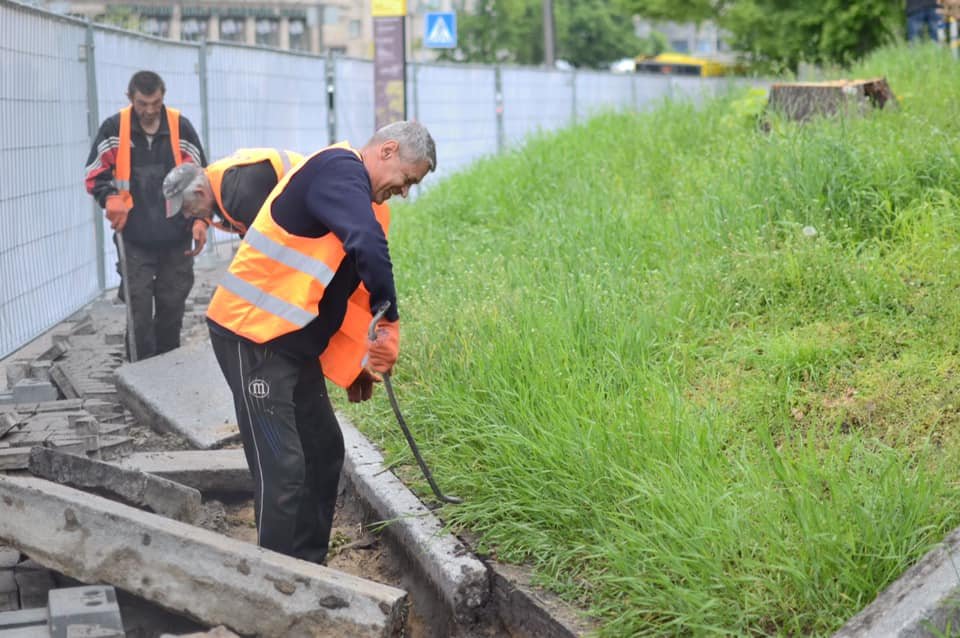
(101, 161)
(191, 149)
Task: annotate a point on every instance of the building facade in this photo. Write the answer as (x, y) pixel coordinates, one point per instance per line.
(343, 27)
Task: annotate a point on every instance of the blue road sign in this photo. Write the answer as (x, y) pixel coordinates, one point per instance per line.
(440, 30)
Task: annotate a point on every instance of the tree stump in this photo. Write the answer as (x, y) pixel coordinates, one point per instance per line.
(801, 101)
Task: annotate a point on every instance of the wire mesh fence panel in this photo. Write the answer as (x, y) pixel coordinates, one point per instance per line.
(48, 256)
(596, 92)
(535, 100)
(119, 54)
(246, 96)
(353, 100)
(457, 103)
(650, 91)
(265, 98)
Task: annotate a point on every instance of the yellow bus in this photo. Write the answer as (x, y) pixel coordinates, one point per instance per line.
(680, 64)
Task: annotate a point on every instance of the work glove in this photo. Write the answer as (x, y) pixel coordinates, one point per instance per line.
(199, 237)
(362, 387)
(385, 350)
(117, 212)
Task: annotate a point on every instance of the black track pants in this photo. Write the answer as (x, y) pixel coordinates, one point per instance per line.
(292, 441)
(160, 278)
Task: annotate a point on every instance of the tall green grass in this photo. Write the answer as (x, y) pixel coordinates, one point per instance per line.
(705, 380)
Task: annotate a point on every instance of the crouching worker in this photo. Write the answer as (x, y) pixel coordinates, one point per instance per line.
(229, 192)
(294, 307)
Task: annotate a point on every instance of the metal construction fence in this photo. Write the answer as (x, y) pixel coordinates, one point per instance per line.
(59, 77)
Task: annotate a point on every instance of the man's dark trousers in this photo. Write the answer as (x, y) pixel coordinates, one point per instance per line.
(160, 277)
(292, 441)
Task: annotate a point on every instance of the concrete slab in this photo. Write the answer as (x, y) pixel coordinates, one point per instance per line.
(462, 581)
(181, 391)
(208, 470)
(190, 570)
(139, 489)
(23, 618)
(924, 601)
(18, 458)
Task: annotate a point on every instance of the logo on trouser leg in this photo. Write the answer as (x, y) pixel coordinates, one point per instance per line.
(258, 388)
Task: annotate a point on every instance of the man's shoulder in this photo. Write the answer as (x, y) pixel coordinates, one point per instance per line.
(112, 122)
(338, 159)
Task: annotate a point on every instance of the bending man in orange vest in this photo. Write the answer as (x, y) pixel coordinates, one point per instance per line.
(132, 152)
(294, 307)
(229, 192)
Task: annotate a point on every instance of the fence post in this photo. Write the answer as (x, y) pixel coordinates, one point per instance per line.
(573, 91)
(93, 125)
(330, 79)
(204, 100)
(415, 91)
(498, 99)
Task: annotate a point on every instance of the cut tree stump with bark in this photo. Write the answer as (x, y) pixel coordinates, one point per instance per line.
(802, 101)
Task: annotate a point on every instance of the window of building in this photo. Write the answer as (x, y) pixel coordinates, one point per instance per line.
(268, 32)
(231, 29)
(680, 46)
(159, 27)
(356, 29)
(331, 14)
(194, 29)
(298, 35)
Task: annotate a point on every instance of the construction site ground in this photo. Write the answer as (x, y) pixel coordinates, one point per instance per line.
(513, 607)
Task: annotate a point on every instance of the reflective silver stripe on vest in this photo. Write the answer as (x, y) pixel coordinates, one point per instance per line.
(287, 256)
(285, 160)
(266, 301)
(122, 184)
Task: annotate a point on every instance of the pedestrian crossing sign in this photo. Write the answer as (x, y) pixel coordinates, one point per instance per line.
(440, 30)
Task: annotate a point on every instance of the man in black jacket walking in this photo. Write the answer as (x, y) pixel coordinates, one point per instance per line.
(132, 153)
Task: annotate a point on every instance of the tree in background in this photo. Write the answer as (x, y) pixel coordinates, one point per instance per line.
(589, 34)
(775, 34)
(593, 34)
(499, 31)
(778, 33)
(782, 33)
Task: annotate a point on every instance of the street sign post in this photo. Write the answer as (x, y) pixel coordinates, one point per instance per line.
(389, 62)
(440, 30)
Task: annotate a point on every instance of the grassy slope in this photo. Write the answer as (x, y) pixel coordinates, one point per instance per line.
(649, 382)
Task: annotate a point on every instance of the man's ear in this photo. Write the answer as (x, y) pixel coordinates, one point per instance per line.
(388, 149)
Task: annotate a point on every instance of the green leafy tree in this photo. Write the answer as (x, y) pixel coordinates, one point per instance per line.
(592, 34)
(783, 33)
(588, 34)
(495, 31)
(679, 10)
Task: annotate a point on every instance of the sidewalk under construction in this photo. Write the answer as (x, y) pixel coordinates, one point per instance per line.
(132, 476)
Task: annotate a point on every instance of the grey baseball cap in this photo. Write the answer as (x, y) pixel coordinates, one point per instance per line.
(176, 183)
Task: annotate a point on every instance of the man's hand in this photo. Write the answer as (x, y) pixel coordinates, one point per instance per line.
(386, 349)
(199, 238)
(117, 212)
(362, 387)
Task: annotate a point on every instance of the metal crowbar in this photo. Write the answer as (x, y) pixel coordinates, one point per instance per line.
(372, 334)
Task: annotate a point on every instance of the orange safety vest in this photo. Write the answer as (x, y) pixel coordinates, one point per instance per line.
(121, 172)
(276, 280)
(281, 161)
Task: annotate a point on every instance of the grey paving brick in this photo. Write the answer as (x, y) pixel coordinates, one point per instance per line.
(85, 611)
(34, 390)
